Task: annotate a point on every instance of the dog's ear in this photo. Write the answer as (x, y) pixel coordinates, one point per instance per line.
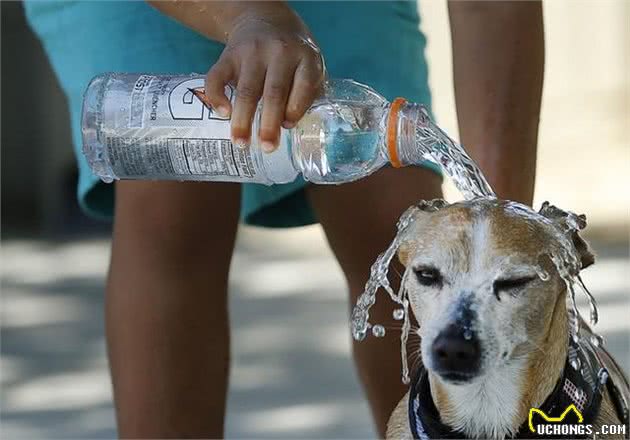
(575, 223)
(405, 251)
(408, 244)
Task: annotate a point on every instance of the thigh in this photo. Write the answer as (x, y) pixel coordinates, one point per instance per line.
(360, 218)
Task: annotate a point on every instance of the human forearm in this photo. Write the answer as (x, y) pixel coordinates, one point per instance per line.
(498, 58)
(217, 19)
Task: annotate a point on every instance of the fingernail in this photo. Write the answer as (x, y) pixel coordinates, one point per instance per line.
(201, 95)
(240, 143)
(288, 125)
(267, 146)
(223, 111)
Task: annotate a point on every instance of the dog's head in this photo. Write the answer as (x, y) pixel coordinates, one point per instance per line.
(481, 283)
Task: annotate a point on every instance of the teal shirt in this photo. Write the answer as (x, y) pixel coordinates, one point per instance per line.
(373, 42)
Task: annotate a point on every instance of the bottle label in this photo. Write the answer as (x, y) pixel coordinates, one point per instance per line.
(158, 127)
(135, 157)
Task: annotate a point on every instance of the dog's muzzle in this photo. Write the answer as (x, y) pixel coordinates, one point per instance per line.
(456, 354)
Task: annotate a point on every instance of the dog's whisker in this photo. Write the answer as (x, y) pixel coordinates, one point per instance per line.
(417, 362)
(416, 358)
(397, 271)
(536, 346)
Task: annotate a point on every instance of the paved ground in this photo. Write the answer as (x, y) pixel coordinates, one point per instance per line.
(292, 375)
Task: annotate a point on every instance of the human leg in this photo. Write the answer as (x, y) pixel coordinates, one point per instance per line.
(166, 307)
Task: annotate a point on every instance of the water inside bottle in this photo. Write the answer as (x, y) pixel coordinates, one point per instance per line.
(340, 135)
(345, 141)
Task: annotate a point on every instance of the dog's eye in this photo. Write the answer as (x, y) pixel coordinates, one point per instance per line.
(428, 276)
(507, 285)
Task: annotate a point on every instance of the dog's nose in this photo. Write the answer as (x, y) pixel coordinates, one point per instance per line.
(456, 354)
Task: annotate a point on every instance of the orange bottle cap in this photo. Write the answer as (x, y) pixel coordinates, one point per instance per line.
(392, 131)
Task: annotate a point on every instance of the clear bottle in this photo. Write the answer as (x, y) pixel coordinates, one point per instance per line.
(156, 127)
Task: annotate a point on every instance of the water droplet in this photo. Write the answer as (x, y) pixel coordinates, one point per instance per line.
(542, 274)
(594, 315)
(468, 334)
(359, 335)
(597, 340)
(398, 314)
(404, 336)
(575, 311)
(576, 363)
(575, 222)
(378, 331)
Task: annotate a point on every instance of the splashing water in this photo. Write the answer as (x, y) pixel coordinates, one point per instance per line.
(428, 142)
(378, 278)
(594, 315)
(562, 253)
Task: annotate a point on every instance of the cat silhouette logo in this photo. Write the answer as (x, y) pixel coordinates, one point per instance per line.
(571, 409)
(187, 101)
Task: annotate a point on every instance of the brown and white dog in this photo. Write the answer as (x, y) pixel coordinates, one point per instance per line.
(495, 334)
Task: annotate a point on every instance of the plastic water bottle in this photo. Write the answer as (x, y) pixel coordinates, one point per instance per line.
(138, 126)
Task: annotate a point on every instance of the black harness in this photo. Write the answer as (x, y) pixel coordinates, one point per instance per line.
(582, 384)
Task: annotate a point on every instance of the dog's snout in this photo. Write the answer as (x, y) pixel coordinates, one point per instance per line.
(456, 353)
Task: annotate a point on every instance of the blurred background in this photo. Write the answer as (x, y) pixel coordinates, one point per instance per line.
(292, 372)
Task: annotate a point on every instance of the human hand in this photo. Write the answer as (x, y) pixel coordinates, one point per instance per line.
(268, 55)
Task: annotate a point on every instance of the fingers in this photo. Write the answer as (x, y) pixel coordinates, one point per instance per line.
(218, 76)
(248, 92)
(306, 86)
(285, 73)
(276, 91)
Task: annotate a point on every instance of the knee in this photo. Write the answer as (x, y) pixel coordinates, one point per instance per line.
(175, 222)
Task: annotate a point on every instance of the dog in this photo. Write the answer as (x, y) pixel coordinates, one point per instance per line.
(495, 328)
